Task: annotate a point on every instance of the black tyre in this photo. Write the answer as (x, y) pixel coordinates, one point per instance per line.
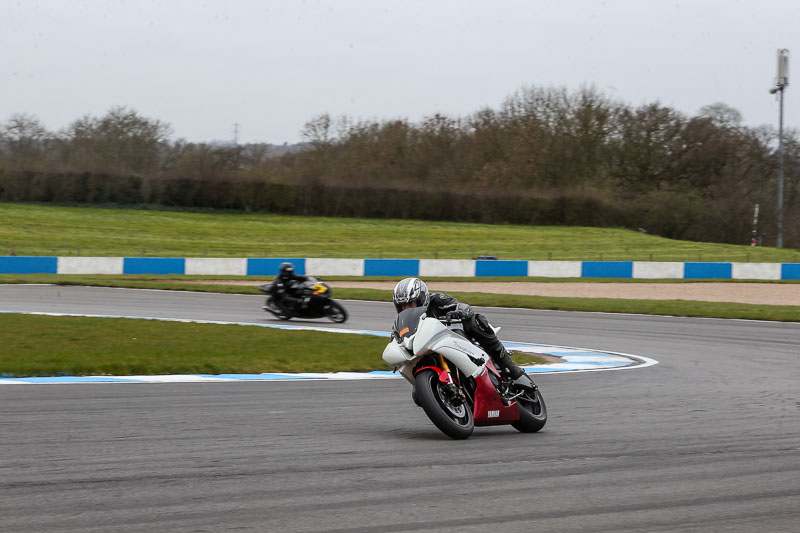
(448, 411)
(335, 312)
(532, 412)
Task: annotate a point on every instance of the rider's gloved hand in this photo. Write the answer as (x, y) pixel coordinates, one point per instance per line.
(453, 316)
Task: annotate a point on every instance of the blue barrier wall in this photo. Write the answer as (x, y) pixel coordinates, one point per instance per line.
(28, 265)
(790, 271)
(391, 267)
(271, 266)
(501, 268)
(154, 265)
(607, 269)
(707, 270)
(399, 267)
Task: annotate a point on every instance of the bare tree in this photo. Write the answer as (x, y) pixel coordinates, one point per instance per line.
(122, 141)
(721, 115)
(318, 130)
(24, 140)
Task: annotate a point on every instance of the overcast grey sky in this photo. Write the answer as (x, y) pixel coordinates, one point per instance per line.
(271, 65)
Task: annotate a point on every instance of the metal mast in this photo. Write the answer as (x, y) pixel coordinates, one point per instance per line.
(781, 82)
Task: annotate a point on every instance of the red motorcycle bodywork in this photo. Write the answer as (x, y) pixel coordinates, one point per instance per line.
(489, 409)
(444, 375)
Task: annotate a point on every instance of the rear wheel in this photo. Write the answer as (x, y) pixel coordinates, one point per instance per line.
(532, 412)
(444, 406)
(335, 312)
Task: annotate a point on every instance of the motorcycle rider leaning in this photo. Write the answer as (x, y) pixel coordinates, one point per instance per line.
(412, 292)
(287, 288)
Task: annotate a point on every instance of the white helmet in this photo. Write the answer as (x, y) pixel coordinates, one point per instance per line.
(410, 290)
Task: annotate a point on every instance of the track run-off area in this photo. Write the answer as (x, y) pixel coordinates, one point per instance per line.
(565, 359)
(708, 439)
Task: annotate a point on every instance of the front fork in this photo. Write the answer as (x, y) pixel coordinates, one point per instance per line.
(443, 364)
(446, 379)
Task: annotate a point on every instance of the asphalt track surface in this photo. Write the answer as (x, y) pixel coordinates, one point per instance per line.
(707, 440)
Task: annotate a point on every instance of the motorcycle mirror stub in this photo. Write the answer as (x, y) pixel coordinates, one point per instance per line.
(395, 355)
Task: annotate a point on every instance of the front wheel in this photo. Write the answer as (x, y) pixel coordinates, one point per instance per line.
(532, 412)
(444, 406)
(335, 312)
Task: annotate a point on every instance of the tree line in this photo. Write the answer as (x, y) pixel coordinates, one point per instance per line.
(545, 156)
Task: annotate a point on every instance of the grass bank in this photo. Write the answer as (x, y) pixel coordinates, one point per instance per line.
(36, 345)
(28, 229)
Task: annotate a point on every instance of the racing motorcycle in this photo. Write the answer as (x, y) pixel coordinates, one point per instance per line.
(455, 382)
(320, 303)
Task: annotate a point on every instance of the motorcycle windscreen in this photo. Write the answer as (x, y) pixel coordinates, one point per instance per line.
(406, 323)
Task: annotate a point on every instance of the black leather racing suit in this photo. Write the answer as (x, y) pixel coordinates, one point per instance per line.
(287, 291)
(476, 327)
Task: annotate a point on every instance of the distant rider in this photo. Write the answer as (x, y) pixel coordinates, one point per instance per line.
(412, 292)
(287, 288)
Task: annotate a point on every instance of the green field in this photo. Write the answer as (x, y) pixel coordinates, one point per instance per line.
(27, 229)
(36, 345)
(90, 346)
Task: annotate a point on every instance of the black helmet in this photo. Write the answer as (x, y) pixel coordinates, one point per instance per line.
(410, 290)
(287, 270)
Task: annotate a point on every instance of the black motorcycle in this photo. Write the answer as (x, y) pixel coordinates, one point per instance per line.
(320, 304)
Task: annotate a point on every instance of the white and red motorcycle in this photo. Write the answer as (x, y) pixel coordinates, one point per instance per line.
(456, 382)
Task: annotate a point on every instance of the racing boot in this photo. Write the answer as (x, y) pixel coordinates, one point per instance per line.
(480, 329)
(503, 360)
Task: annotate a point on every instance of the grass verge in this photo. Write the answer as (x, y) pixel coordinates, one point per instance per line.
(36, 345)
(43, 345)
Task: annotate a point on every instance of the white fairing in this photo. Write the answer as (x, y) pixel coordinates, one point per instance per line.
(433, 336)
(395, 355)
